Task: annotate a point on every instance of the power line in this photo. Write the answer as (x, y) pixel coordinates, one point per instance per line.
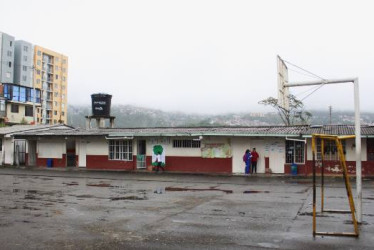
(304, 70)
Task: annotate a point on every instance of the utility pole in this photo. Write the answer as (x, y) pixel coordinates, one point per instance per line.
(330, 112)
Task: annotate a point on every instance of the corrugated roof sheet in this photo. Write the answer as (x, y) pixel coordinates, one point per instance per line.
(197, 131)
(30, 128)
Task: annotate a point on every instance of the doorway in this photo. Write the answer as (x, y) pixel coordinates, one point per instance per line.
(31, 161)
(141, 155)
(70, 153)
(19, 152)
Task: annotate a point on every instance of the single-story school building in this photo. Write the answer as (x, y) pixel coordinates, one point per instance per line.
(193, 149)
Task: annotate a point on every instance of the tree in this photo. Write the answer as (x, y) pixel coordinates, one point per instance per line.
(295, 114)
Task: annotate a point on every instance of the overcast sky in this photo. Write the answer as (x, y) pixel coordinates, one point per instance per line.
(202, 56)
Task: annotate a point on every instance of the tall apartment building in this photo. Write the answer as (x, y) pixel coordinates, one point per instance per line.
(50, 76)
(7, 58)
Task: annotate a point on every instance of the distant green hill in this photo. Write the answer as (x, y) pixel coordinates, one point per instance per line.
(132, 116)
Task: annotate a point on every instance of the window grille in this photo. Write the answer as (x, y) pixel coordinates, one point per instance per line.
(295, 151)
(330, 150)
(120, 150)
(186, 144)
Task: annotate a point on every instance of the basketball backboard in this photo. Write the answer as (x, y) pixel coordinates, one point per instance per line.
(283, 91)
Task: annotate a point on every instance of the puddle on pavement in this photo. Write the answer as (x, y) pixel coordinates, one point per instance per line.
(255, 192)
(99, 185)
(311, 214)
(73, 183)
(132, 197)
(197, 189)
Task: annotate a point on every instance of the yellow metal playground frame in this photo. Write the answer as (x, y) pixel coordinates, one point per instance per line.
(343, 165)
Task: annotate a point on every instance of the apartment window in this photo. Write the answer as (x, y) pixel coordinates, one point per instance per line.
(56, 68)
(62, 105)
(25, 48)
(295, 151)
(24, 78)
(38, 62)
(63, 97)
(56, 59)
(120, 150)
(37, 95)
(38, 81)
(29, 111)
(186, 144)
(56, 94)
(7, 74)
(63, 113)
(10, 64)
(29, 95)
(56, 77)
(25, 58)
(56, 86)
(55, 112)
(24, 68)
(38, 71)
(7, 91)
(63, 87)
(15, 96)
(64, 70)
(330, 150)
(64, 61)
(14, 108)
(9, 53)
(10, 43)
(55, 104)
(64, 78)
(39, 53)
(22, 94)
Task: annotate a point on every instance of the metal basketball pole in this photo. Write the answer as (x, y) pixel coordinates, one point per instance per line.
(357, 131)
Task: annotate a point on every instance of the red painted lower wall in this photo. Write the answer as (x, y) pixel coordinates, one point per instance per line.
(197, 164)
(332, 168)
(102, 162)
(56, 162)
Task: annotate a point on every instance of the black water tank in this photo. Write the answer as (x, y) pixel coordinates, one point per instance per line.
(101, 104)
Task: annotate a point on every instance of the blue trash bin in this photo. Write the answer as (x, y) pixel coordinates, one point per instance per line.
(49, 163)
(294, 169)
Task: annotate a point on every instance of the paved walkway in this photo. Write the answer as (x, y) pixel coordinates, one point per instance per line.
(60, 209)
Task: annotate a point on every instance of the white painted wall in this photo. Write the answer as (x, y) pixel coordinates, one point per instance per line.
(51, 148)
(97, 146)
(265, 147)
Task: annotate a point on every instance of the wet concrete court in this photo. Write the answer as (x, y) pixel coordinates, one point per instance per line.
(43, 209)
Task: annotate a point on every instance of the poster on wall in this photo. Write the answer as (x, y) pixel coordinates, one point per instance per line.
(158, 154)
(216, 150)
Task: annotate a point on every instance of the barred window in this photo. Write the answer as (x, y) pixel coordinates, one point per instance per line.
(120, 150)
(295, 151)
(186, 144)
(330, 150)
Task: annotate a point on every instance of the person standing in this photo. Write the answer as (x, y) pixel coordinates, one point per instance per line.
(247, 160)
(254, 159)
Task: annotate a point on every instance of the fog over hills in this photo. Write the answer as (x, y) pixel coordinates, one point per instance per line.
(132, 116)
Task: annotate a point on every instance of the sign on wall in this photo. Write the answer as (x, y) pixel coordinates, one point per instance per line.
(216, 150)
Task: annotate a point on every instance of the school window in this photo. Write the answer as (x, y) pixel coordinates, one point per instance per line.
(14, 108)
(295, 151)
(329, 149)
(120, 150)
(29, 111)
(186, 144)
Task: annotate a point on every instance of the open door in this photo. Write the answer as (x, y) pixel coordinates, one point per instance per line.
(31, 157)
(141, 155)
(70, 153)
